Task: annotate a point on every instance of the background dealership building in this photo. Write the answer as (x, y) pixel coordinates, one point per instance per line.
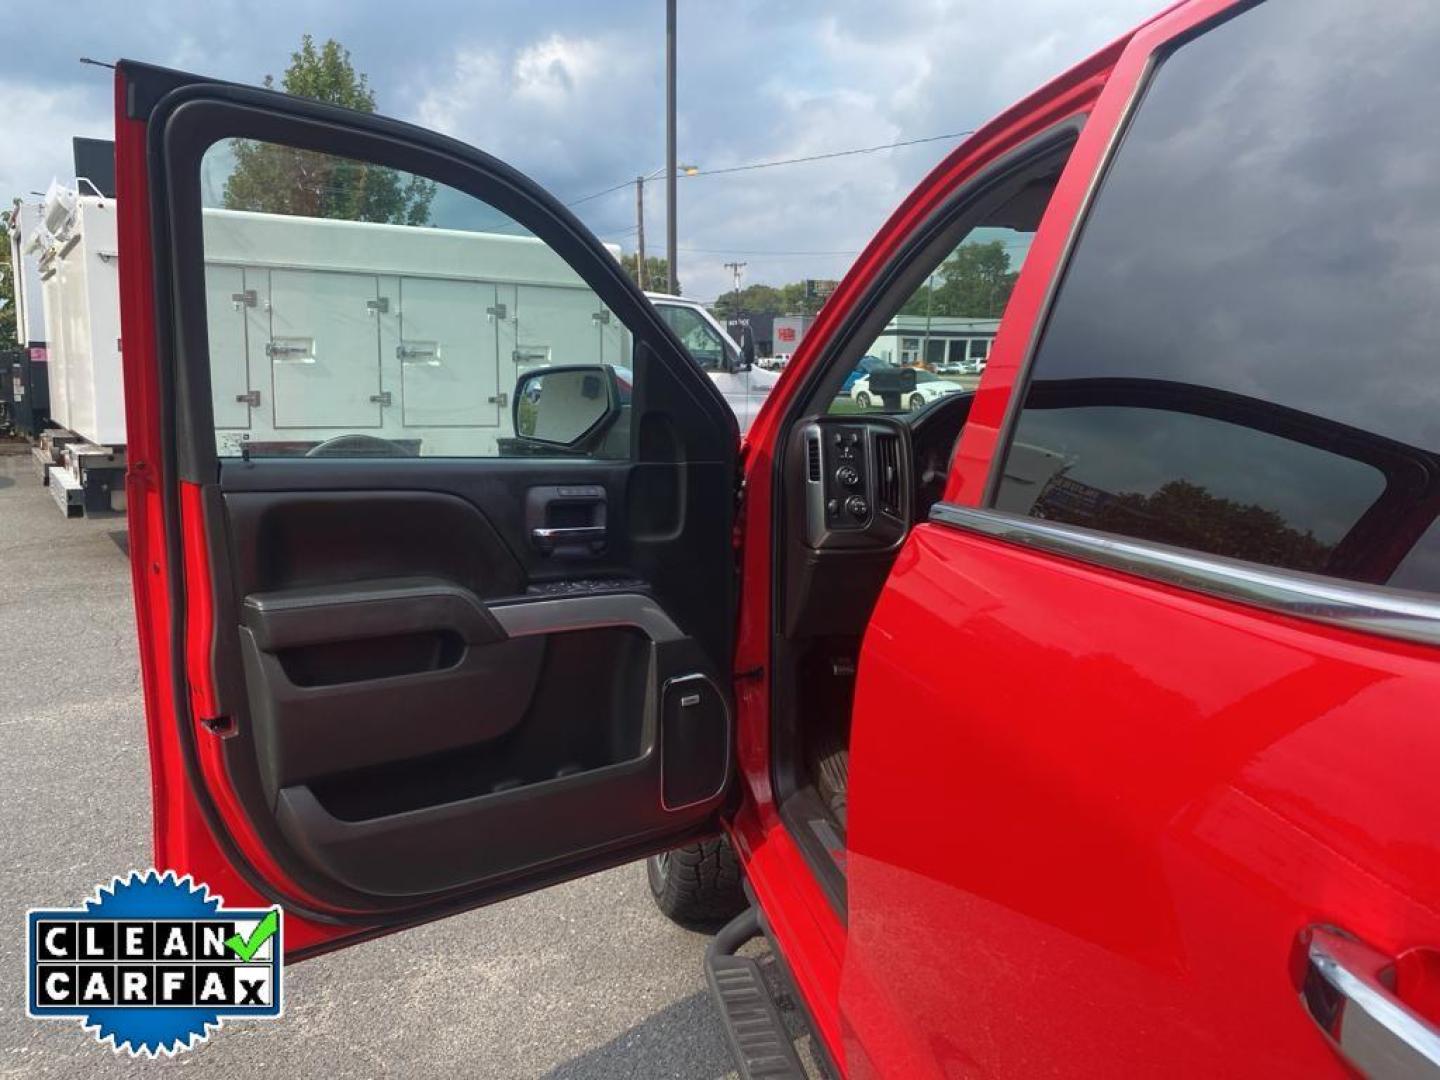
(906, 339)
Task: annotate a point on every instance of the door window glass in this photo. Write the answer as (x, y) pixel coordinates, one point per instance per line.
(357, 310)
(1242, 355)
(700, 339)
(965, 294)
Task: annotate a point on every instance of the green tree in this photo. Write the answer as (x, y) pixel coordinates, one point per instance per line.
(759, 299)
(754, 299)
(8, 283)
(975, 282)
(657, 272)
(275, 179)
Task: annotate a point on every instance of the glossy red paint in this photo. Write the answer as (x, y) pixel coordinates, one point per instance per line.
(1098, 857)
(1136, 835)
(182, 837)
(1074, 93)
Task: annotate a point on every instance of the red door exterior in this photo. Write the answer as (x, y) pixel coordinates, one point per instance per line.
(1116, 806)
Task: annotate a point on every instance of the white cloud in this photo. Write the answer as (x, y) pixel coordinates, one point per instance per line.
(572, 93)
(36, 126)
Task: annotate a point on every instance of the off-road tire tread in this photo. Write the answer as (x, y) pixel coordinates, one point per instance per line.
(702, 890)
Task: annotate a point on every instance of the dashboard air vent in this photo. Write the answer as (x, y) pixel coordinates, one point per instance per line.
(887, 474)
(812, 455)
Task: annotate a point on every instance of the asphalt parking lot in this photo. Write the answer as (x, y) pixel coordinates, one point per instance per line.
(582, 980)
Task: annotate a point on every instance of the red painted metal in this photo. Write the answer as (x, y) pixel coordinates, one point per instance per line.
(1109, 820)
(1074, 93)
(1117, 805)
(183, 840)
(1115, 808)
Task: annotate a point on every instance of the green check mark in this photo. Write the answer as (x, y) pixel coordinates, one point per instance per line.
(245, 948)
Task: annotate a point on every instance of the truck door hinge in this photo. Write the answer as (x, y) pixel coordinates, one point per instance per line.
(502, 399)
(378, 307)
(382, 398)
(496, 312)
(601, 317)
(244, 299)
(252, 398)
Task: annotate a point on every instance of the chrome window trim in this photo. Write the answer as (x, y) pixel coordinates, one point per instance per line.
(1371, 609)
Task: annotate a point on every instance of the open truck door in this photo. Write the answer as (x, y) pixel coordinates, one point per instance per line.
(390, 678)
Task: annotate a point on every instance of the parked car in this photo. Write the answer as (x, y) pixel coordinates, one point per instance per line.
(952, 367)
(928, 387)
(1176, 811)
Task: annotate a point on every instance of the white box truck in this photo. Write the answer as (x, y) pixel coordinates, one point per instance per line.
(322, 327)
(75, 244)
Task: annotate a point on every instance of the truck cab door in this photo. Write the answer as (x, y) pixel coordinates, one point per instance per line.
(395, 672)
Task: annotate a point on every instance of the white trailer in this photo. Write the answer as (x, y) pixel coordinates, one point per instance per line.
(322, 327)
(83, 459)
(80, 283)
(318, 328)
(25, 265)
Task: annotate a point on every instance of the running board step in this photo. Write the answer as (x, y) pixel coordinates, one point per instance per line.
(758, 1040)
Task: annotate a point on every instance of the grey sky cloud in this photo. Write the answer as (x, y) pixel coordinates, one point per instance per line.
(572, 93)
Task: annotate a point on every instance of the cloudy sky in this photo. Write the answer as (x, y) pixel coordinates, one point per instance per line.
(572, 92)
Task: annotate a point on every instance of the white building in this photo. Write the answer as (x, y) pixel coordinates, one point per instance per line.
(908, 340)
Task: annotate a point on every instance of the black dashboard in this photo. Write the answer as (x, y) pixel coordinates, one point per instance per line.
(854, 486)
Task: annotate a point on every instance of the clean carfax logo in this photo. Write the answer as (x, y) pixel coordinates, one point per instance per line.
(152, 964)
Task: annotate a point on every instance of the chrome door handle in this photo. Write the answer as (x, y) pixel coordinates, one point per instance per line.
(1377, 1033)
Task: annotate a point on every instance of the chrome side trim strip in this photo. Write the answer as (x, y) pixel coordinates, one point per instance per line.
(1370, 609)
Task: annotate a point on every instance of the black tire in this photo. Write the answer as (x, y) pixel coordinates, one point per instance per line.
(698, 885)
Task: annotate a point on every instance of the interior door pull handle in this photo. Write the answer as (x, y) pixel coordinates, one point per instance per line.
(547, 539)
(583, 534)
(1346, 993)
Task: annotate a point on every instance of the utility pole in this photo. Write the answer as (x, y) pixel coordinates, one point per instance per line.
(735, 268)
(640, 231)
(670, 217)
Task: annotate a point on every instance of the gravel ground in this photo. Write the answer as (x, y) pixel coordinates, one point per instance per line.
(582, 980)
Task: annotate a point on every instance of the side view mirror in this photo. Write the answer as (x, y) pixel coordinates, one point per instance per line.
(891, 384)
(566, 407)
(747, 348)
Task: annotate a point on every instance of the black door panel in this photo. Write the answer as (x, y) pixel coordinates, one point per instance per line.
(425, 698)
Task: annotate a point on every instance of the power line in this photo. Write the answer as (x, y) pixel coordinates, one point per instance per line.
(597, 194)
(825, 157)
(762, 251)
(782, 161)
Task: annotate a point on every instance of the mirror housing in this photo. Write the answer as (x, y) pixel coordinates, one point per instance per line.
(891, 384)
(747, 347)
(566, 407)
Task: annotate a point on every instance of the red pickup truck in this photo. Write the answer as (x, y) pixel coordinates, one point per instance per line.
(1085, 722)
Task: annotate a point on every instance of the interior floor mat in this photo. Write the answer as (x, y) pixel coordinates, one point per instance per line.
(832, 775)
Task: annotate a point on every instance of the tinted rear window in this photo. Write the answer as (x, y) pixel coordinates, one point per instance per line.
(1242, 355)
